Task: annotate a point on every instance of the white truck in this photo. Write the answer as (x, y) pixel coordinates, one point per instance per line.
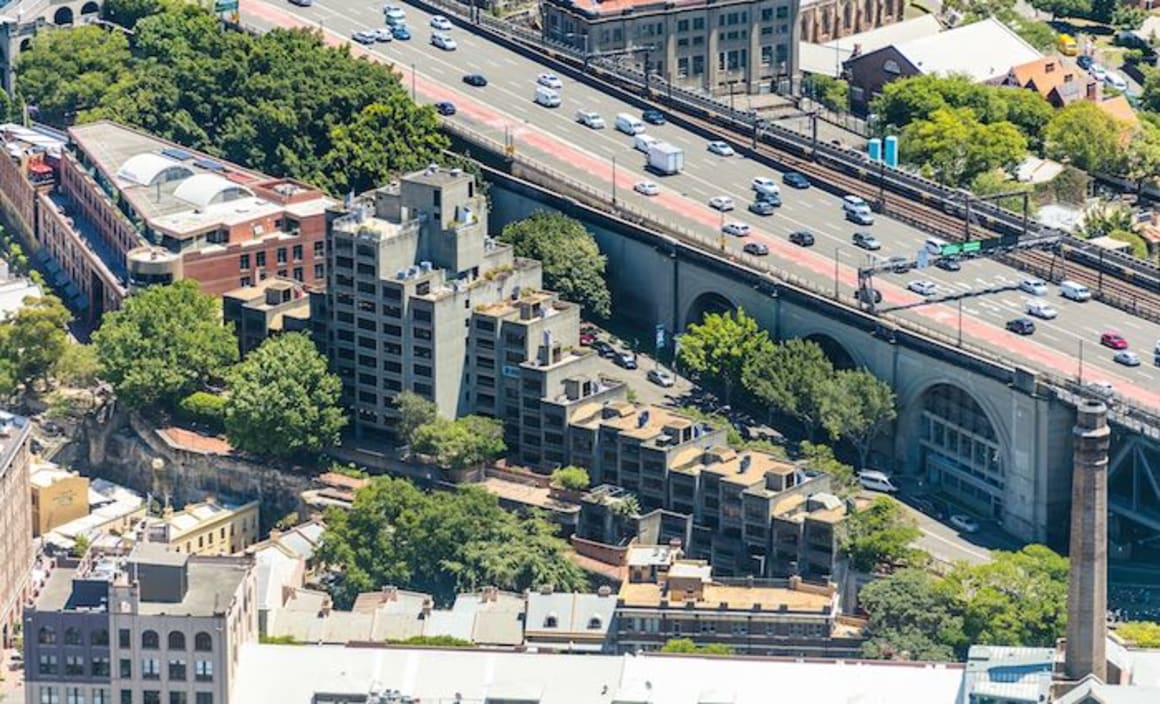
(665, 159)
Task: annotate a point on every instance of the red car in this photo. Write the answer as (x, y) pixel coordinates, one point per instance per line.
(1114, 340)
(587, 335)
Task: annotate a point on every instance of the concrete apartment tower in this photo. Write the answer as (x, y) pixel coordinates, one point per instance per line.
(1087, 589)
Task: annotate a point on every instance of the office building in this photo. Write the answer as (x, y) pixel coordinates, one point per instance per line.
(155, 627)
(206, 528)
(16, 553)
(58, 497)
(267, 308)
(743, 46)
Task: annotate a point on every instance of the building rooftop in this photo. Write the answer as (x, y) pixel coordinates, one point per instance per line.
(570, 615)
(956, 51)
(14, 430)
(616, 8)
(13, 291)
(195, 516)
(827, 58)
(652, 556)
(734, 596)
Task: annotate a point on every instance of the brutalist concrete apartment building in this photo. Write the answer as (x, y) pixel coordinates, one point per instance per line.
(157, 627)
(16, 553)
(420, 298)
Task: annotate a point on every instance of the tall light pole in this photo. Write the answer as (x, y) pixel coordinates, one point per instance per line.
(412, 82)
(614, 180)
(960, 322)
(1081, 361)
(837, 256)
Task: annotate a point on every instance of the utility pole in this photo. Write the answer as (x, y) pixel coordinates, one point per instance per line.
(960, 321)
(614, 180)
(412, 82)
(837, 255)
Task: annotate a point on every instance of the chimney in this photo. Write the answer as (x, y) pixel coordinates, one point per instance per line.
(1087, 588)
(390, 593)
(490, 594)
(426, 608)
(1093, 91)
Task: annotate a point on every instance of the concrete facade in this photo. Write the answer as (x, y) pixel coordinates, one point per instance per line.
(826, 20)
(58, 497)
(207, 528)
(268, 308)
(16, 554)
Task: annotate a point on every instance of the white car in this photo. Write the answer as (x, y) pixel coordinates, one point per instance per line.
(441, 23)
(1036, 287)
(737, 229)
(964, 523)
(646, 188)
(661, 377)
(549, 80)
(1041, 309)
(1116, 81)
(1101, 388)
(765, 185)
(721, 203)
(1098, 72)
(721, 149)
(590, 119)
(444, 42)
(922, 288)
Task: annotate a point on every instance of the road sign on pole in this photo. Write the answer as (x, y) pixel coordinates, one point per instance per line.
(660, 336)
(923, 258)
(220, 6)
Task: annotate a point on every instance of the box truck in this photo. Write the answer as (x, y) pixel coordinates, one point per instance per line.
(665, 159)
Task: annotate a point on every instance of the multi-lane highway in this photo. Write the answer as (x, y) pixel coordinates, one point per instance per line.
(505, 108)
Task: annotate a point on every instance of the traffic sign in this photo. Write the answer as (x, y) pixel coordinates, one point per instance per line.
(660, 336)
(950, 250)
(922, 258)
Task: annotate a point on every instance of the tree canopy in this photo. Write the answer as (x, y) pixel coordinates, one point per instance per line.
(165, 343)
(716, 349)
(686, 646)
(281, 102)
(441, 543)
(1085, 136)
(34, 339)
(912, 615)
(282, 400)
(571, 477)
(461, 443)
(1142, 634)
(955, 147)
(858, 408)
(793, 377)
(414, 412)
(573, 264)
(880, 536)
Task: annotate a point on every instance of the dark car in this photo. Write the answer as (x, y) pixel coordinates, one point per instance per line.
(1084, 61)
(757, 249)
(653, 117)
(899, 265)
(401, 32)
(795, 180)
(1021, 326)
(475, 79)
(627, 360)
(802, 238)
(603, 348)
(761, 207)
(768, 197)
(445, 107)
(948, 263)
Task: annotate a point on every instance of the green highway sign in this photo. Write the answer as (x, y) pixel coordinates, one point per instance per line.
(225, 6)
(949, 250)
(972, 246)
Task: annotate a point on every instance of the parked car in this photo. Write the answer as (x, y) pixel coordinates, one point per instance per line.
(364, 36)
(922, 287)
(737, 229)
(1021, 326)
(588, 335)
(964, 523)
(761, 207)
(441, 23)
(625, 360)
(948, 263)
(1084, 61)
(721, 148)
(802, 238)
(646, 188)
(445, 107)
(722, 203)
(590, 119)
(1098, 72)
(1036, 287)
(757, 249)
(865, 240)
(1116, 81)
(550, 80)
(1114, 340)
(475, 79)
(1126, 358)
(653, 116)
(603, 349)
(795, 180)
(661, 377)
(876, 481)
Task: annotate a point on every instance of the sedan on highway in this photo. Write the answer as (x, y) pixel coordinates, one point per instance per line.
(653, 116)
(383, 34)
(364, 36)
(756, 249)
(795, 180)
(722, 203)
(964, 523)
(802, 238)
(1126, 358)
(444, 42)
(646, 188)
(721, 149)
(761, 207)
(1041, 310)
(898, 264)
(867, 241)
(550, 80)
(868, 295)
(773, 199)
(737, 229)
(1036, 287)
(401, 32)
(1114, 340)
(441, 23)
(922, 287)
(1021, 326)
(475, 79)
(948, 263)
(661, 377)
(761, 184)
(445, 107)
(1102, 389)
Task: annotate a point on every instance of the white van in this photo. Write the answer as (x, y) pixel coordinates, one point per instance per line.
(876, 481)
(547, 97)
(1074, 291)
(854, 204)
(934, 245)
(629, 124)
(642, 142)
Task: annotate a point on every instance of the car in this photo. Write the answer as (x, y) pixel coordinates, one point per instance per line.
(722, 203)
(868, 295)
(1021, 326)
(646, 188)
(475, 79)
(1102, 389)
(1084, 61)
(364, 36)
(590, 119)
(1114, 340)
(761, 184)
(1116, 81)
(795, 180)
(1126, 358)
(549, 80)
(624, 360)
(588, 335)
(1041, 309)
(661, 377)
(757, 249)
(898, 264)
(802, 238)
(860, 217)
(964, 523)
(922, 287)
(445, 107)
(401, 32)
(761, 207)
(867, 241)
(653, 116)
(721, 148)
(737, 229)
(876, 481)
(383, 34)
(1036, 287)
(1098, 72)
(444, 42)
(393, 14)
(948, 263)
(603, 349)
(441, 23)
(772, 198)
(302, 3)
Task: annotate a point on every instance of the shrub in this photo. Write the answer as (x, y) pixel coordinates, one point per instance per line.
(203, 407)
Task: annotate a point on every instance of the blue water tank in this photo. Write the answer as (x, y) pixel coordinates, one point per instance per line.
(891, 151)
(874, 149)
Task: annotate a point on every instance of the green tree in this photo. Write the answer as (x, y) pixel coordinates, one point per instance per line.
(283, 401)
(912, 614)
(834, 93)
(1086, 136)
(80, 546)
(975, 10)
(66, 72)
(414, 411)
(716, 349)
(1142, 161)
(880, 536)
(858, 409)
(686, 646)
(77, 365)
(459, 444)
(1128, 17)
(843, 481)
(1142, 634)
(991, 183)
(1038, 34)
(794, 377)
(165, 343)
(434, 642)
(573, 264)
(360, 159)
(35, 338)
(127, 12)
(1063, 8)
(955, 147)
(204, 407)
(1104, 219)
(572, 478)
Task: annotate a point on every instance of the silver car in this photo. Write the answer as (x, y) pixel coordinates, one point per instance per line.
(661, 377)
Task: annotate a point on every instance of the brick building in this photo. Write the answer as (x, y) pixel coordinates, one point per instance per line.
(16, 554)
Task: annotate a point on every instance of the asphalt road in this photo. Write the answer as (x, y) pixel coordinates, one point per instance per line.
(988, 290)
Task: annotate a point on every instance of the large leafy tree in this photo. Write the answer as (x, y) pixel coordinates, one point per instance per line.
(462, 443)
(165, 343)
(955, 147)
(127, 12)
(414, 412)
(794, 377)
(881, 536)
(1063, 8)
(857, 409)
(66, 72)
(282, 399)
(913, 614)
(34, 339)
(573, 264)
(1085, 136)
(716, 349)
(359, 156)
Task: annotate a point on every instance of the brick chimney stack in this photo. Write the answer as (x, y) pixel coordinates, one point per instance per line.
(1087, 589)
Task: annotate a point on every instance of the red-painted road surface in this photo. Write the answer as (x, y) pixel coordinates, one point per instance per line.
(530, 137)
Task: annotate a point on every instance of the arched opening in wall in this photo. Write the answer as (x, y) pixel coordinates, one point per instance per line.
(63, 16)
(838, 355)
(26, 44)
(848, 15)
(90, 8)
(960, 453)
(708, 303)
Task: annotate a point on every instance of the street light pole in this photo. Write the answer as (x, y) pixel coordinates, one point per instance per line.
(960, 322)
(837, 255)
(412, 82)
(1081, 361)
(614, 180)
